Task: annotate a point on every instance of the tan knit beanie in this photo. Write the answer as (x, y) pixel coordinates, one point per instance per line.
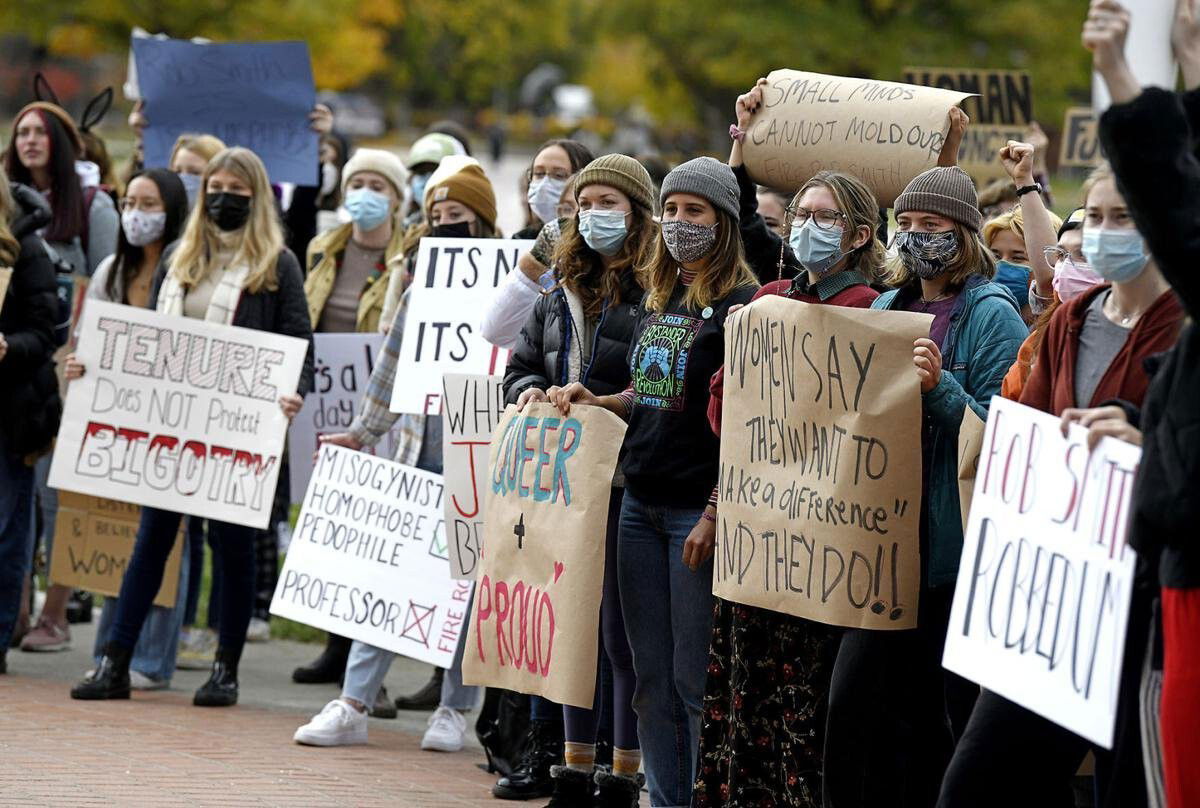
(945, 190)
(621, 172)
(461, 178)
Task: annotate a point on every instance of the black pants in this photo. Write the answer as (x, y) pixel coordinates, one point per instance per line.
(234, 552)
(1011, 756)
(892, 713)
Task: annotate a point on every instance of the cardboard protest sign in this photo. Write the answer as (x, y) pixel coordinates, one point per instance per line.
(454, 281)
(343, 365)
(882, 132)
(472, 407)
(93, 541)
(368, 558)
(1000, 108)
(1080, 140)
(1042, 600)
(5, 277)
(534, 626)
(820, 503)
(257, 95)
(970, 443)
(176, 413)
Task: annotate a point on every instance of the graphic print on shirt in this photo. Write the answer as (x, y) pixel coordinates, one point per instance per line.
(659, 364)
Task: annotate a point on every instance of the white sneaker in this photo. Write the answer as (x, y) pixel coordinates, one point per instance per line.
(259, 630)
(447, 729)
(140, 681)
(196, 649)
(338, 724)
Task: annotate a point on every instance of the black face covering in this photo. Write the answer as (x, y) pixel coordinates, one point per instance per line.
(456, 230)
(228, 211)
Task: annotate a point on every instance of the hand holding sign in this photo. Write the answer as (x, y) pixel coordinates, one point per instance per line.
(1102, 422)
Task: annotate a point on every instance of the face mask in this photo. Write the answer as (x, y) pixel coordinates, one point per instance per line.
(1117, 256)
(926, 254)
(417, 184)
(543, 197)
(603, 230)
(1073, 278)
(368, 209)
(456, 230)
(191, 185)
(228, 211)
(329, 178)
(1014, 278)
(816, 248)
(688, 241)
(143, 228)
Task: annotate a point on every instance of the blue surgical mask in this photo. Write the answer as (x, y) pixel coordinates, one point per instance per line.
(1117, 256)
(816, 248)
(603, 230)
(1014, 278)
(368, 209)
(191, 185)
(543, 197)
(417, 183)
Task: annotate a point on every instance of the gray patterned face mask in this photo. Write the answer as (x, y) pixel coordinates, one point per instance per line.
(927, 254)
(688, 241)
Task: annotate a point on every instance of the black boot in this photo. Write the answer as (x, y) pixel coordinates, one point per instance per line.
(383, 707)
(531, 779)
(110, 679)
(618, 791)
(329, 667)
(572, 788)
(221, 689)
(427, 698)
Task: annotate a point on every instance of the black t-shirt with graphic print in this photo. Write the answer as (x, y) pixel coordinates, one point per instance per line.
(671, 454)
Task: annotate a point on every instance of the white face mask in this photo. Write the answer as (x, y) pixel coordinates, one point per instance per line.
(543, 197)
(142, 228)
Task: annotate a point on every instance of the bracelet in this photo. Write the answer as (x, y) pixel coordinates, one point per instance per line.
(708, 516)
(1028, 189)
(737, 134)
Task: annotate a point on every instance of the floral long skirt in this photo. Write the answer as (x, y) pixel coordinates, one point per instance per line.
(764, 709)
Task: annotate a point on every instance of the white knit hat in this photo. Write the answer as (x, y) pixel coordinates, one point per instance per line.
(381, 162)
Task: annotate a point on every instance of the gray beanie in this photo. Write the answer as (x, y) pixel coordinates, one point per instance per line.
(945, 190)
(704, 177)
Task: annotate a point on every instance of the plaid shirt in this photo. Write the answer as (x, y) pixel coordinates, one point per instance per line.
(375, 418)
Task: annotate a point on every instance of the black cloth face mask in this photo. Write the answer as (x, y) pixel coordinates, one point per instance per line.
(228, 211)
(456, 230)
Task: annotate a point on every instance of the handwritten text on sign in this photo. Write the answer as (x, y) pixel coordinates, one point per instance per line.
(1042, 600)
(454, 282)
(820, 436)
(472, 406)
(880, 131)
(535, 622)
(343, 365)
(177, 413)
(368, 558)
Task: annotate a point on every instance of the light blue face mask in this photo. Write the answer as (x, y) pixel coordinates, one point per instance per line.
(417, 184)
(1014, 278)
(368, 209)
(603, 230)
(191, 185)
(816, 248)
(1118, 256)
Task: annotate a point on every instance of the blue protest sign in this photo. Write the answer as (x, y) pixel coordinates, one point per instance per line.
(257, 95)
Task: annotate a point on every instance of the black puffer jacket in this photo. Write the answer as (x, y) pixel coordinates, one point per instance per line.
(30, 407)
(549, 337)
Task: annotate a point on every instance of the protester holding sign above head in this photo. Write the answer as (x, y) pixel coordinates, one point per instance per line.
(888, 740)
(582, 331)
(189, 156)
(29, 402)
(768, 672)
(665, 544)
(229, 267)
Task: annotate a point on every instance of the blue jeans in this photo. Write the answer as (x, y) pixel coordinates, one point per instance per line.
(158, 642)
(669, 639)
(16, 538)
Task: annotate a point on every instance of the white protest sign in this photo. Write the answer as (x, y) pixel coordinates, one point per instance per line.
(343, 365)
(1147, 49)
(1042, 600)
(472, 406)
(454, 282)
(368, 558)
(176, 413)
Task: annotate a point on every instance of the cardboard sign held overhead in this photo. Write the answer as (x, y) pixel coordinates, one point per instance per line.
(1041, 605)
(820, 508)
(883, 132)
(1080, 140)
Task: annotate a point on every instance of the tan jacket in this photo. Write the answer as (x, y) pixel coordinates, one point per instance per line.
(325, 255)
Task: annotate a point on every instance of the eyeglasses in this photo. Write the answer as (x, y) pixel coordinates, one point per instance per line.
(1055, 254)
(825, 218)
(541, 174)
(144, 205)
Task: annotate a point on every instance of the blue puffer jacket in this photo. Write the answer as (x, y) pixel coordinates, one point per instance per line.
(985, 332)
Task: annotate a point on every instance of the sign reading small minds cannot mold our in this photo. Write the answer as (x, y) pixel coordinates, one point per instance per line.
(176, 413)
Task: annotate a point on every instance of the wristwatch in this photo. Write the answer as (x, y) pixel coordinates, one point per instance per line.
(1037, 186)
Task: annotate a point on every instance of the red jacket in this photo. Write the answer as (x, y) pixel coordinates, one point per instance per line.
(1051, 385)
(845, 288)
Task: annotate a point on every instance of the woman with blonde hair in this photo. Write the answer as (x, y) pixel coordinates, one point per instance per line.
(230, 267)
(189, 156)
